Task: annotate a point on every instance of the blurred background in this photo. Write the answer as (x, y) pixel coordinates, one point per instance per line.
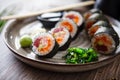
(10, 7)
(109, 7)
(25, 6)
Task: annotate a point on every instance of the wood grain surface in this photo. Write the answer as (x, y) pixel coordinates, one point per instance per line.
(13, 69)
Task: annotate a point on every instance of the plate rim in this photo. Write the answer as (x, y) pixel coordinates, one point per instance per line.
(11, 22)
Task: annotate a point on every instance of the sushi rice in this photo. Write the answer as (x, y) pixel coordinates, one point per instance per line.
(105, 40)
(45, 45)
(61, 35)
(68, 24)
(75, 16)
(103, 43)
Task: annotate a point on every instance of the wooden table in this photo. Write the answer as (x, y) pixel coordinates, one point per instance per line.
(13, 69)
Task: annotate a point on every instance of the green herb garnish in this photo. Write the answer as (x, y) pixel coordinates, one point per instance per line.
(2, 23)
(80, 55)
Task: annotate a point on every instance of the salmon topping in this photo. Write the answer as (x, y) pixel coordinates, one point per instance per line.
(67, 25)
(59, 36)
(92, 30)
(43, 44)
(74, 18)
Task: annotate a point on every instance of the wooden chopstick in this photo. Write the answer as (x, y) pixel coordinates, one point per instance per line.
(81, 4)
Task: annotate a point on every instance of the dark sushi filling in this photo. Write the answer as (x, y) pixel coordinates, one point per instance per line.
(101, 47)
(89, 24)
(103, 43)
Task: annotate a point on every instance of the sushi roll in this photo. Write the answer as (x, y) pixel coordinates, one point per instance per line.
(44, 45)
(75, 16)
(68, 24)
(62, 37)
(93, 19)
(90, 12)
(96, 26)
(105, 41)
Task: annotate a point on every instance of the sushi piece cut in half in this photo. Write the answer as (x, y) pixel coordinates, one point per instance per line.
(105, 41)
(62, 37)
(75, 16)
(96, 26)
(44, 45)
(90, 12)
(68, 24)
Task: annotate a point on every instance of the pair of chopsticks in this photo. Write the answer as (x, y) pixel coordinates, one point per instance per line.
(81, 4)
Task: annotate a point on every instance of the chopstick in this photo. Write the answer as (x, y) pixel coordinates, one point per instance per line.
(67, 7)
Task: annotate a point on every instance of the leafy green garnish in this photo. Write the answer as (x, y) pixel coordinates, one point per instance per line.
(80, 55)
(2, 23)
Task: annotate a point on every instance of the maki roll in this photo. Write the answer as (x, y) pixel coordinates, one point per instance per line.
(75, 16)
(96, 26)
(44, 45)
(62, 37)
(105, 40)
(93, 19)
(68, 24)
(90, 12)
